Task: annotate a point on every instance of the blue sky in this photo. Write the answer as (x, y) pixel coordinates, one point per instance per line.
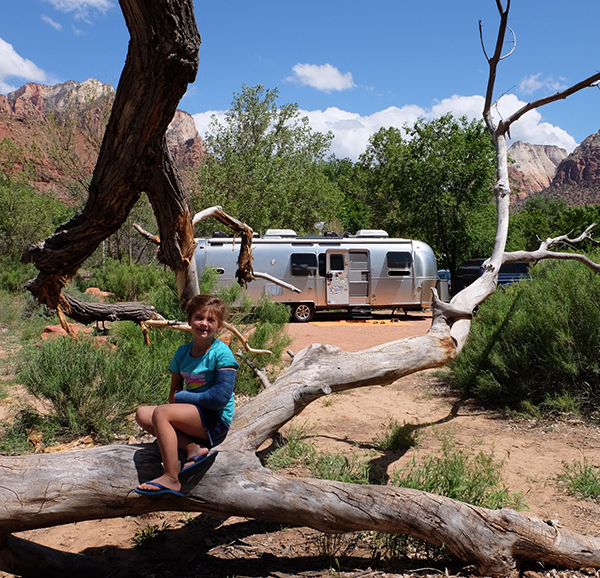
(351, 66)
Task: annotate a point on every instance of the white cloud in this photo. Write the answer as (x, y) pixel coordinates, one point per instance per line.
(352, 131)
(55, 25)
(13, 65)
(530, 128)
(82, 8)
(323, 77)
(203, 120)
(534, 82)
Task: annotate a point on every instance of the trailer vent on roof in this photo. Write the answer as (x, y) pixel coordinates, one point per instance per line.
(279, 234)
(372, 233)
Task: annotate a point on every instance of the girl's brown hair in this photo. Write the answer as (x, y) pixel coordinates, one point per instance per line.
(214, 303)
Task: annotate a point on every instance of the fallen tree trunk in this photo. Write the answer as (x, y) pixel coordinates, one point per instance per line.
(85, 312)
(49, 489)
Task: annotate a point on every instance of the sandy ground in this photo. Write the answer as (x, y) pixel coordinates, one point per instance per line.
(533, 453)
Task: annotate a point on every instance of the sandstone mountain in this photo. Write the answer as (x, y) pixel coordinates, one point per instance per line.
(533, 168)
(577, 179)
(60, 130)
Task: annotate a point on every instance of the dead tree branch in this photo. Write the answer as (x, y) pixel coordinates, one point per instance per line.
(161, 62)
(49, 489)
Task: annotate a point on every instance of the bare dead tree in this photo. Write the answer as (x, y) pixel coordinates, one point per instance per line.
(48, 489)
(162, 60)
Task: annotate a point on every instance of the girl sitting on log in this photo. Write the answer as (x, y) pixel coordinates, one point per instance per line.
(198, 417)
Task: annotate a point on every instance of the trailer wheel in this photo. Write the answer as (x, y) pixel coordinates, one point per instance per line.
(303, 312)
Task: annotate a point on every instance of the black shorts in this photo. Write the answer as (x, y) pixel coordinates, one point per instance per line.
(216, 428)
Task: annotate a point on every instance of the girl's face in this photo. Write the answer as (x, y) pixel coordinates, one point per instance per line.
(204, 323)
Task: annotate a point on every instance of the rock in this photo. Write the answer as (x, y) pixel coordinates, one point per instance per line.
(534, 167)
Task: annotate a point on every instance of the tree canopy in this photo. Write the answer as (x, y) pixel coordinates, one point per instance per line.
(265, 164)
(434, 184)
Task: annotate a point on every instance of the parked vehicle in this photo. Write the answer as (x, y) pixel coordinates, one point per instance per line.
(357, 273)
(444, 284)
(469, 271)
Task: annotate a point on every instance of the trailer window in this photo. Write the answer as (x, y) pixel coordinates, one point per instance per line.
(303, 264)
(336, 262)
(399, 263)
(322, 270)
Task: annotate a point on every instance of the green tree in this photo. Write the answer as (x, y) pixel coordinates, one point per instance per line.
(265, 165)
(435, 184)
(537, 220)
(535, 345)
(544, 217)
(356, 212)
(25, 218)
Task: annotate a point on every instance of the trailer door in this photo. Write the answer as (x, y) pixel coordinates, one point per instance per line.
(358, 274)
(336, 273)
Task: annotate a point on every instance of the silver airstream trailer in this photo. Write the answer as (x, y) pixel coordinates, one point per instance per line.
(359, 272)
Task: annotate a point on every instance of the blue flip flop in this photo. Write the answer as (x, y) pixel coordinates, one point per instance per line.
(162, 490)
(196, 466)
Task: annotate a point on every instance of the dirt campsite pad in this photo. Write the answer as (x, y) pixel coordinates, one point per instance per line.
(200, 545)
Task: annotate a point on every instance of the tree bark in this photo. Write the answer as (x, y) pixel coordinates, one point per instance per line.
(85, 312)
(49, 489)
(161, 61)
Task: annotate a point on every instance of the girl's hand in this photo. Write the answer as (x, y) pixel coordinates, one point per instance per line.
(176, 385)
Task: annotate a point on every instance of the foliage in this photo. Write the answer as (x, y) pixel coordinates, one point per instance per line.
(536, 344)
(23, 317)
(99, 387)
(128, 281)
(126, 245)
(348, 176)
(15, 438)
(544, 217)
(13, 163)
(25, 217)
(150, 536)
(580, 479)
(339, 467)
(291, 450)
(435, 184)
(265, 165)
(460, 474)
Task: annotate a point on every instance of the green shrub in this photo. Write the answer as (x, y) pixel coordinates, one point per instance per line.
(460, 474)
(580, 479)
(536, 344)
(128, 281)
(25, 216)
(341, 468)
(15, 435)
(14, 274)
(291, 450)
(98, 388)
(23, 316)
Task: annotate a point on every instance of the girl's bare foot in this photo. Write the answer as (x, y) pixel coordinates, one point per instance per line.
(165, 482)
(198, 451)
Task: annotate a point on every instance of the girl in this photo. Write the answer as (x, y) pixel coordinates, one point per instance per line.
(197, 418)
